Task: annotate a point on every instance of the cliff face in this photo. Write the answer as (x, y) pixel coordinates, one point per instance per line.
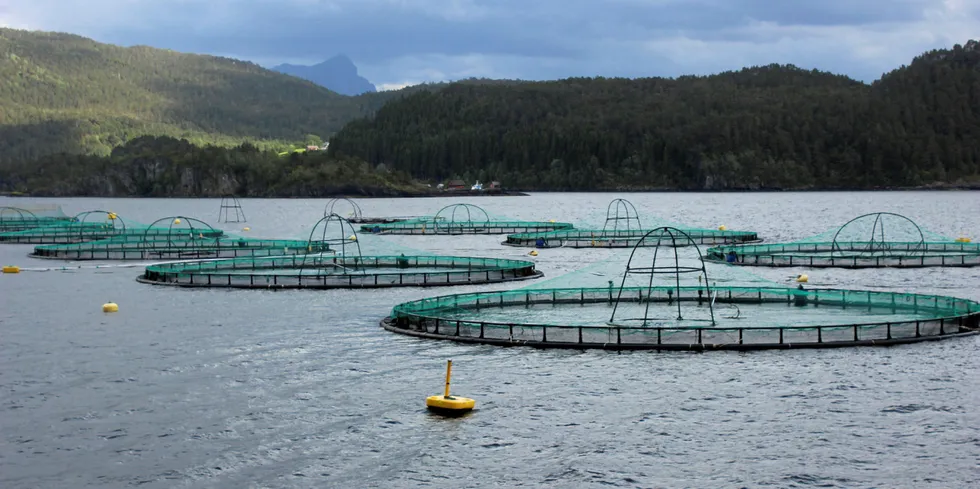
(338, 74)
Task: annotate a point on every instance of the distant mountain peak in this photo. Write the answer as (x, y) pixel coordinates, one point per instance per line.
(338, 73)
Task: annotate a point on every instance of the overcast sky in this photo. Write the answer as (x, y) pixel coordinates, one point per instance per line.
(398, 42)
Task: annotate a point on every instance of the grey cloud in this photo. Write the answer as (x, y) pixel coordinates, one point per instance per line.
(534, 38)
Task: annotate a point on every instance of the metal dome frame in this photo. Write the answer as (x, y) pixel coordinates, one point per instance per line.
(356, 213)
(442, 223)
(339, 244)
(20, 213)
(878, 227)
(621, 210)
(228, 204)
(81, 219)
(665, 236)
(213, 233)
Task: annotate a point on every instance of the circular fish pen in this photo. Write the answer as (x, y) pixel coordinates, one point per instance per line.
(354, 212)
(164, 248)
(100, 225)
(862, 242)
(622, 229)
(665, 314)
(462, 219)
(346, 268)
(584, 238)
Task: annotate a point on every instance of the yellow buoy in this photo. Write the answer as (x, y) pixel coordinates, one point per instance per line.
(352, 238)
(11, 269)
(803, 278)
(246, 228)
(110, 307)
(177, 221)
(963, 239)
(551, 220)
(533, 253)
(112, 215)
(723, 228)
(446, 404)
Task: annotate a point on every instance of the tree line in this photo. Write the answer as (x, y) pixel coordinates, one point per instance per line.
(151, 166)
(769, 127)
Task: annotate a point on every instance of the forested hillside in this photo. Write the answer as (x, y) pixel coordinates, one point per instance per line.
(66, 102)
(763, 127)
(65, 93)
(166, 167)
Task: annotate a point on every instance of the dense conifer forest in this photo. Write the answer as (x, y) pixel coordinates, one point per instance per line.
(82, 118)
(769, 127)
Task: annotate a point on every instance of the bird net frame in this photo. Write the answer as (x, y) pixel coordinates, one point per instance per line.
(14, 219)
(189, 229)
(671, 239)
(355, 214)
(333, 236)
(450, 225)
(112, 225)
(458, 318)
(24, 219)
(877, 250)
(456, 219)
(230, 204)
(622, 213)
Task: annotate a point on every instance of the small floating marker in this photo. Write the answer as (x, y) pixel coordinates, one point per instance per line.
(112, 216)
(177, 221)
(110, 307)
(11, 269)
(246, 228)
(551, 220)
(723, 228)
(533, 253)
(446, 404)
(803, 278)
(962, 239)
(352, 237)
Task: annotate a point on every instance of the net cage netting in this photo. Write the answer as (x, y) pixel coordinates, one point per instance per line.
(230, 210)
(667, 298)
(623, 227)
(98, 225)
(462, 219)
(31, 216)
(353, 261)
(186, 238)
(875, 240)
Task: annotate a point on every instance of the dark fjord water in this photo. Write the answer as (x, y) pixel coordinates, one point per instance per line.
(218, 388)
